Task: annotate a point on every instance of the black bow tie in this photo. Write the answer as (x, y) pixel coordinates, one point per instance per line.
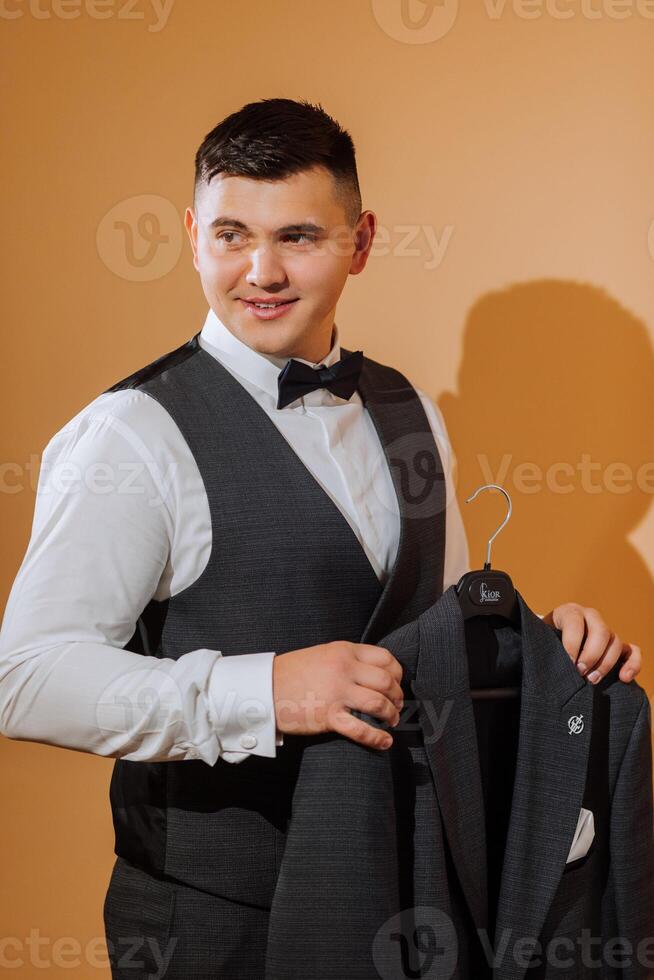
(297, 379)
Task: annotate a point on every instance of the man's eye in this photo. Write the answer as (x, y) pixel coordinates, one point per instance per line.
(297, 238)
(223, 236)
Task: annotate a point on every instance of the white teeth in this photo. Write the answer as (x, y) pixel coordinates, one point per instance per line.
(268, 306)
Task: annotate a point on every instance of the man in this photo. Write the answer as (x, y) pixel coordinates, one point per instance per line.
(253, 512)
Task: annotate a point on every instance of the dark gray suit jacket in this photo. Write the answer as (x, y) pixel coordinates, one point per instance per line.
(384, 872)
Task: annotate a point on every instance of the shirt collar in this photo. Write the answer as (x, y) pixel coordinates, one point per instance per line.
(261, 369)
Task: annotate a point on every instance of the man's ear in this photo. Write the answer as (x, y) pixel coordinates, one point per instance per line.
(363, 237)
(191, 225)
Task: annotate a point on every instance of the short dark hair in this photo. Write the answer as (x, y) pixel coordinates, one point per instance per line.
(274, 138)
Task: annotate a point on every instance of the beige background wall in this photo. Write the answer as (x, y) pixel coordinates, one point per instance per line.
(508, 151)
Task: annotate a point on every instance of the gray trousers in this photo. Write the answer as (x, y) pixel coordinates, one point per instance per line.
(160, 930)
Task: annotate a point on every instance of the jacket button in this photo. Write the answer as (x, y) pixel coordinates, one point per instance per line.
(248, 741)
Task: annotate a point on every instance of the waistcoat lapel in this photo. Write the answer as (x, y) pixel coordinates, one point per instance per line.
(416, 579)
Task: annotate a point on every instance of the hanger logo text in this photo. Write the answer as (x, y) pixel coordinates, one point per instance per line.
(488, 595)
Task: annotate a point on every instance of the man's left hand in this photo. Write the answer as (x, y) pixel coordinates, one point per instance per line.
(590, 642)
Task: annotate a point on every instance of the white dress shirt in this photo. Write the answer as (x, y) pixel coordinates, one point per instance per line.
(121, 516)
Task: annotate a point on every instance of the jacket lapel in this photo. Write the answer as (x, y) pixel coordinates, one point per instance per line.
(446, 717)
(556, 717)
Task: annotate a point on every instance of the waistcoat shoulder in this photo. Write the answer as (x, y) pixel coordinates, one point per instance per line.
(155, 368)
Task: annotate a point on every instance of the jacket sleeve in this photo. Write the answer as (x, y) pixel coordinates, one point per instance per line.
(632, 851)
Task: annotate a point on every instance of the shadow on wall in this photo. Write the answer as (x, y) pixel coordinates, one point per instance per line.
(555, 403)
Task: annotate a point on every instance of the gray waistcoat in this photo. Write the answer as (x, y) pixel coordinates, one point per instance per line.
(286, 571)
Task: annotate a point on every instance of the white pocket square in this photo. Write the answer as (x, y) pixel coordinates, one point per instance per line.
(584, 835)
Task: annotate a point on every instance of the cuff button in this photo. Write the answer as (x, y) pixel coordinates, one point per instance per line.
(248, 741)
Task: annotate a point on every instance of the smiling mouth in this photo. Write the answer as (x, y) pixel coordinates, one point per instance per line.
(267, 310)
(269, 305)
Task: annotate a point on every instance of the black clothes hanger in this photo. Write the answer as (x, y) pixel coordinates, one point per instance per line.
(487, 599)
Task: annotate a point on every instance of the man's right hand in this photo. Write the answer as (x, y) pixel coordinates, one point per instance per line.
(314, 687)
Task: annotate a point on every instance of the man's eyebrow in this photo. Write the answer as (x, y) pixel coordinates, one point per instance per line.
(307, 226)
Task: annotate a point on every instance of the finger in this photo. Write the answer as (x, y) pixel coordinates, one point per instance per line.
(632, 662)
(379, 679)
(606, 662)
(359, 730)
(380, 656)
(598, 638)
(372, 702)
(573, 628)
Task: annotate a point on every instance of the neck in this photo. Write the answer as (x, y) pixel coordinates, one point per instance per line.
(315, 352)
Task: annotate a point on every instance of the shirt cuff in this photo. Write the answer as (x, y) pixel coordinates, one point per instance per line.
(241, 706)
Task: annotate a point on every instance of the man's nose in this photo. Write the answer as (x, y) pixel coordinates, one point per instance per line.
(265, 268)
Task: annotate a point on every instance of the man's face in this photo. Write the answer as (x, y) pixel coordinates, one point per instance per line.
(245, 245)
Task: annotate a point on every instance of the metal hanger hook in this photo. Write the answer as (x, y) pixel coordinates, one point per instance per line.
(493, 486)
